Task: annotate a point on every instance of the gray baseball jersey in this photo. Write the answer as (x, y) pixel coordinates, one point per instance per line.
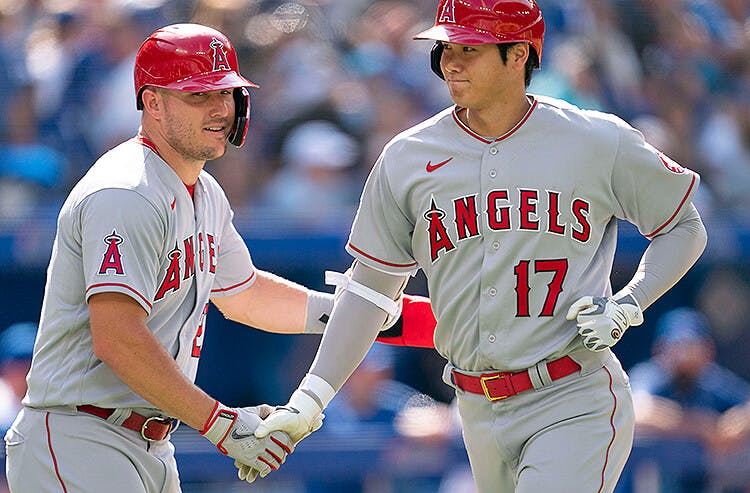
(511, 231)
(130, 226)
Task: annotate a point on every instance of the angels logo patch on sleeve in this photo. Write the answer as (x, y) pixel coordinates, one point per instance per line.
(670, 164)
(112, 259)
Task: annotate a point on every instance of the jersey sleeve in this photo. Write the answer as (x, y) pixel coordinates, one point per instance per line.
(381, 233)
(234, 268)
(651, 189)
(121, 236)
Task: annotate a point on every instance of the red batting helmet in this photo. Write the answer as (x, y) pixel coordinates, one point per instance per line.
(479, 22)
(194, 58)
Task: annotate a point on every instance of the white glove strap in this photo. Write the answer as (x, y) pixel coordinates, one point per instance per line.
(630, 306)
(346, 283)
(312, 396)
(219, 423)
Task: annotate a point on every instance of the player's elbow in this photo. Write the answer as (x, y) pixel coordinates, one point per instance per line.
(105, 347)
(702, 235)
(697, 235)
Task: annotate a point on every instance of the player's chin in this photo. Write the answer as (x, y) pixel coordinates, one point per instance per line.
(458, 96)
(214, 151)
(217, 143)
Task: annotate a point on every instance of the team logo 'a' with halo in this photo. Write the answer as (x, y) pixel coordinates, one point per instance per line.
(448, 13)
(112, 259)
(220, 55)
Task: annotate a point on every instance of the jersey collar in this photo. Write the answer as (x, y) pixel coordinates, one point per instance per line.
(144, 141)
(465, 128)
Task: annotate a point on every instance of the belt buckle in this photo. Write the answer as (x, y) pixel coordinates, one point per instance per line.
(159, 419)
(483, 381)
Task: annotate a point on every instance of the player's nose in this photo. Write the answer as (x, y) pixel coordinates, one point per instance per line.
(449, 61)
(221, 105)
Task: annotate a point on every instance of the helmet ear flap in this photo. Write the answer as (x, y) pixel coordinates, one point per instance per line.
(241, 116)
(436, 54)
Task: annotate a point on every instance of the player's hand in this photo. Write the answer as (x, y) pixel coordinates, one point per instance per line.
(292, 421)
(303, 414)
(232, 431)
(602, 321)
(245, 472)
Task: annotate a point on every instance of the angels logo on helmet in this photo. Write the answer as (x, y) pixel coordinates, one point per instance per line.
(220, 56)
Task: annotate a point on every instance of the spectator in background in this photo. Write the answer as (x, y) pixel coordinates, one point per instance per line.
(680, 395)
(29, 168)
(315, 187)
(16, 349)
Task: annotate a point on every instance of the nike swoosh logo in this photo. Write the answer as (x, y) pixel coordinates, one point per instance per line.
(241, 436)
(432, 167)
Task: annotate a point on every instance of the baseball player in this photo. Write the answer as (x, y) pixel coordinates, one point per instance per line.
(144, 241)
(509, 203)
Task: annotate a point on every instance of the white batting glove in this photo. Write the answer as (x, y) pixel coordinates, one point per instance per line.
(602, 321)
(232, 431)
(302, 415)
(245, 472)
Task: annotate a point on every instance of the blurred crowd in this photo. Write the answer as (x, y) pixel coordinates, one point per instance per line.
(339, 78)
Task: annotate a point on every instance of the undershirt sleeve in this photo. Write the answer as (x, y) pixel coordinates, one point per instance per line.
(353, 327)
(668, 257)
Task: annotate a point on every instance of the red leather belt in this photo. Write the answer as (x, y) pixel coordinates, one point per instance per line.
(500, 385)
(151, 429)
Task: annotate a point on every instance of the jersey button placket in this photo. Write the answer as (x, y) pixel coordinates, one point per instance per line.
(487, 327)
(493, 172)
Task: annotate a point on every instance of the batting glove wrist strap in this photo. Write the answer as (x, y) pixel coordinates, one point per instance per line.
(311, 397)
(218, 425)
(302, 415)
(630, 307)
(602, 321)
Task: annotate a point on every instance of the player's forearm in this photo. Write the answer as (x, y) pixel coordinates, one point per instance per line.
(667, 259)
(123, 342)
(272, 303)
(351, 331)
(143, 364)
(354, 324)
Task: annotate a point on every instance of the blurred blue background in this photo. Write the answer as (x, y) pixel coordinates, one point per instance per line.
(338, 79)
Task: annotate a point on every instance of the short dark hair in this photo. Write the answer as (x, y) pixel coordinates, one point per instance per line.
(531, 63)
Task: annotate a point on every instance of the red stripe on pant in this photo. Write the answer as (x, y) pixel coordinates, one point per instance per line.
(52, 453)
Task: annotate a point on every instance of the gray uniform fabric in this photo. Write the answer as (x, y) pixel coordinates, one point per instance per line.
(510, 232)
(129, 226)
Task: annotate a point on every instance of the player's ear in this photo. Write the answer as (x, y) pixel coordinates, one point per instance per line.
(152, 101)
(519, 53)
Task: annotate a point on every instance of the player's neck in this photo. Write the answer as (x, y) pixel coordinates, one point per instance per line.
(498, 119)
(187, 170)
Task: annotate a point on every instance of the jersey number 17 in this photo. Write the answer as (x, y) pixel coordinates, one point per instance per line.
(559, 267)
